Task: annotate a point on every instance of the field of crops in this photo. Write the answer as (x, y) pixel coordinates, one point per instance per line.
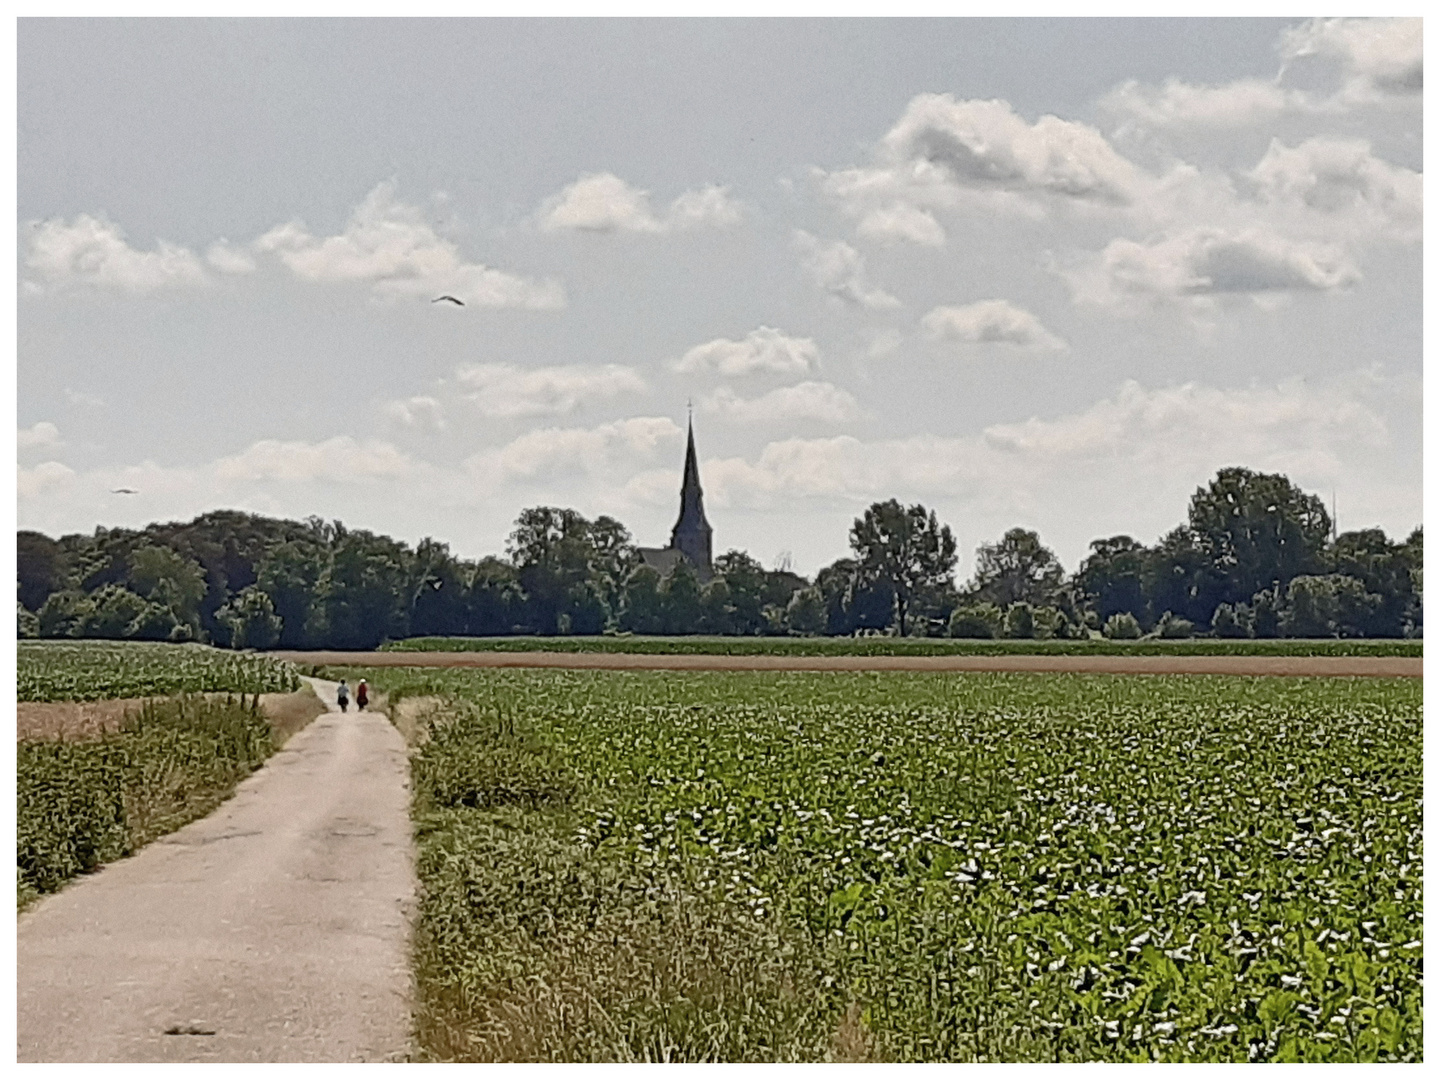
(100, 670)
(893, 646)
(918, 867)
(81, 803)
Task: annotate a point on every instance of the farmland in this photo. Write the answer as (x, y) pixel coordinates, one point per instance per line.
(917, 867)
(101, 670)
(167, 759)
(881, 645)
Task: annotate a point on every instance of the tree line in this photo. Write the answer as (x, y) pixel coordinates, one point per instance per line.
(1254, 558)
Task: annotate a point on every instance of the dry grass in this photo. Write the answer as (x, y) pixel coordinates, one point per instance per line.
(412, 716)
(75, 720)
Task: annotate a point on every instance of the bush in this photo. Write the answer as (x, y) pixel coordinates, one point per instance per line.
(27, 625)
(976, 621)
(1231, 621)
(805, 614)
(1173, 626)
(1050, 622)
(1122, 626)
(1020, 621)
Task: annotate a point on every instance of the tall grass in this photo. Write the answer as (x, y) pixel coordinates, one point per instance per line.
(532, 946)
(80, 804)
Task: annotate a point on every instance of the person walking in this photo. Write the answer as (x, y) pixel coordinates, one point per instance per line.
(362, 696)
(342, 695)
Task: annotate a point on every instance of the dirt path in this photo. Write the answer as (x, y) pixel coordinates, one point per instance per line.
(276, 929)
(1402, 666)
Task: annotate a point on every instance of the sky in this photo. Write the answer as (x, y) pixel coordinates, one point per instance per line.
(1043, 273)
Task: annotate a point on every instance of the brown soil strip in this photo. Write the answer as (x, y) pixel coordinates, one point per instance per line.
(1382, 666)
(288, 713)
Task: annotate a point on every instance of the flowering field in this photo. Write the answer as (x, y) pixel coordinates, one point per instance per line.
(100, 670)
(918, 867)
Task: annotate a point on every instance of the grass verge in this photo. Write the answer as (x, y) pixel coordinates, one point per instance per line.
(83, 803)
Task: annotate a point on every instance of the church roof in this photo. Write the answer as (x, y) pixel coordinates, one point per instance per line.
(692, 504)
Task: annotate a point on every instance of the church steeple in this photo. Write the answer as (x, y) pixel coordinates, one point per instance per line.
(691, 535)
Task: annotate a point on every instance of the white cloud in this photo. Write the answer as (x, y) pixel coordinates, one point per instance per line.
(987, 144)
(804, 401)
(37, 436)
(1380, 57)
(89, 251)
(603, 202)
(229, 259)
(504, 390)
(339, 459)
(1339, 177)
(417, 412)
(1242, 103)
(901, 221)
(1202, 263)
(544, 454)
(840, 270)
(763, 349)
(43, 479)
(388, 244)
(991, 321)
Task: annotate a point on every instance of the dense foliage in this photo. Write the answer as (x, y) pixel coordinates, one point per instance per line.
(97, 671)
(1253, 560)
(83, 803)
(915, 867)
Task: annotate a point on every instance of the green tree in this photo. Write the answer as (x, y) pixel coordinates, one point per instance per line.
(1122, 626)
(167, 578)
(680, 599)
(854, 601)
(1328, 605)
(805, 614)
(1016, 569)
(746, 587)
(1257, 530)
(1112, 578)
(1384, 568)
(41, 567)
(977, 621)
(292, 574)
(495, 603)
(365, 593)
(250, 618)
(642, 610)
(907, 549)
(1020, 620)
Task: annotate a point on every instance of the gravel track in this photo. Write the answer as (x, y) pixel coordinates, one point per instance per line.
(276, 929)
(1381, 666)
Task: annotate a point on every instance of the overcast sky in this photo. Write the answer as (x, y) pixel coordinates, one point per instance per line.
(1044, 273)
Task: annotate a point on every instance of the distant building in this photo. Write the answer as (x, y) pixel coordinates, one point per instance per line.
(690, 539)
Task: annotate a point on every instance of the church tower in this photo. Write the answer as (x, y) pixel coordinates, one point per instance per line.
(691, 535)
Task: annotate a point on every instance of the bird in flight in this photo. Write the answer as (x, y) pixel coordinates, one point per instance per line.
(124, 491)
(447, 296)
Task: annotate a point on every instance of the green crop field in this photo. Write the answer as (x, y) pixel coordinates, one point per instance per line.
(729, 866)
(99, 670)
(894, 646)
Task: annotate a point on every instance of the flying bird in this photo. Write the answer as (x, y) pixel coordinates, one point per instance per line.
(447, 296)
(124, 491)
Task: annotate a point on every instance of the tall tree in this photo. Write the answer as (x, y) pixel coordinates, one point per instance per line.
(906, 548)
(1112, 579)
(1015, 569)
(1258, 530)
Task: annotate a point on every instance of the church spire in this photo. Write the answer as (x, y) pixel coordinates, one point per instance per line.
(691, 535)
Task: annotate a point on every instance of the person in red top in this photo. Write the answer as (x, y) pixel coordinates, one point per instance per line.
(362, 695)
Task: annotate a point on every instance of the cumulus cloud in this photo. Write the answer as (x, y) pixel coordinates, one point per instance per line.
(1380, 58)
(340, 459)
(504, 390)
(1201, 263)
(987, 144)
(1339, 177)
(229, 259)
(43, 479)
(821, 401)
(991, 322)
(900, 221)
(764, 349)
(417, 412)
(38, 436)
(603, 202)
(389, 245)
(548, 452)
(840, 270)
(1242, 103)
(90, 251)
